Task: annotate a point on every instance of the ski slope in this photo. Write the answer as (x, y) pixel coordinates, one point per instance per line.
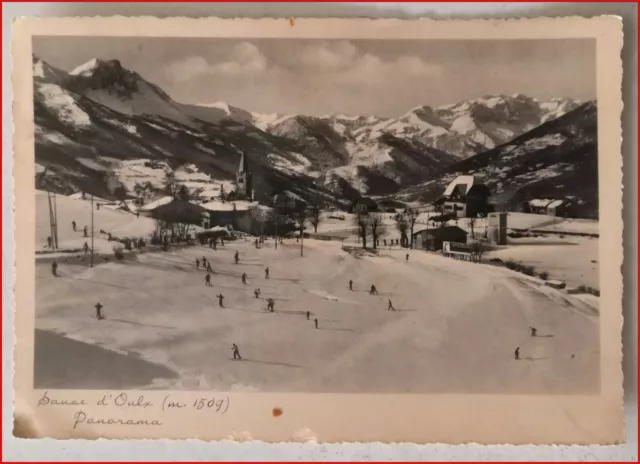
(119, 223)
(455, 330)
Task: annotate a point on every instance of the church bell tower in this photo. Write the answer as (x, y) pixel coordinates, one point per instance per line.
(244, 187)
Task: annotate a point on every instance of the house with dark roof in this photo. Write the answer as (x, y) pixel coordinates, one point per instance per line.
(466, 196)
(432, 239)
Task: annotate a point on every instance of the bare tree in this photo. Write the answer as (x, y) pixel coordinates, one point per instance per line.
(411, 218)
(403, 226)
(477, 250)
(362, 222)
(376, 224)
(471, 222)
(300, 215)
(170, 184)
(315, 216)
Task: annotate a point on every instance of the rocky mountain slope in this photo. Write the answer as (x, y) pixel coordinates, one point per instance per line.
(557, 159)
(101, 114)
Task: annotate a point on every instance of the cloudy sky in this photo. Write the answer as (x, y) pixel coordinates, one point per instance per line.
(316, 77)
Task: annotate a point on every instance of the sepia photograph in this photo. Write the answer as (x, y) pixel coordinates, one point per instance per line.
(317, 215)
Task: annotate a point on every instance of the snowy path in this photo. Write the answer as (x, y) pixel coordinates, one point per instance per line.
(455, 330)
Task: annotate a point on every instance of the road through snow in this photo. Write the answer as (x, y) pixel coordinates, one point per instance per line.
(455, 330)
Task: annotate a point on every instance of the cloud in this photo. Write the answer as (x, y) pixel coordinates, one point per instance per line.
(244, 59)
(329, 55)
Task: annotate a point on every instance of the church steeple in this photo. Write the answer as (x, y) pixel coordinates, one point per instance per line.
(243, 179)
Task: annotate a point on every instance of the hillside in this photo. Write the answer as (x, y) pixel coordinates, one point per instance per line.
(90, 120)
(557, 159)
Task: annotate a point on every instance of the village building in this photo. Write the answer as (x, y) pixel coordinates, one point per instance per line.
(466, 196)
(432, 239)
(364, 205)
(560, 207)
(244, 180)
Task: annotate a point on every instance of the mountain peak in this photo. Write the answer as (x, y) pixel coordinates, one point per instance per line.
(94, 65)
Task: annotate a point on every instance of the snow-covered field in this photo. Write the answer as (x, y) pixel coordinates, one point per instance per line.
(455, 330)
(119, 223)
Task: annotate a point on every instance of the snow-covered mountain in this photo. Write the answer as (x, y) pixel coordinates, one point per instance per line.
(462, 129)
(102, 110)
(554, 160)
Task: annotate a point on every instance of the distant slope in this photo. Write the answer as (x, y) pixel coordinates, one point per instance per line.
(556, 159)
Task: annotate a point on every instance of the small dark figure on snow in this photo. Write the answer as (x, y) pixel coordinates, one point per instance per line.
(49, 241)
(215, 244)
(99, 315)
(236, 256)
(137, 214)
(257, 244)
(204, 262)
(86, 231)
(197, 264)
(221, 242)
(271, 305)
(390, 307)
(266, 273)
(98, 206)
(373, 290)
(244, 278)
(280, 240)
(534, 331)
(256, 293)
(351, 285)
(221, 300)
(516, 353)
(308, 314)
(73, 225)
(54, 269)
(236, 352)
(315, 321)
(384, 241)
(209, 267)
(407, 257)
(207, 280)
(85, 247)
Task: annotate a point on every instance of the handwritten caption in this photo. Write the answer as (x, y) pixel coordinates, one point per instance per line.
(123, 401)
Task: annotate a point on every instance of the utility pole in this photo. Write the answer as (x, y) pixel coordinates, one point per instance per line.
(91, 230)
(276, 214)
(55, 220)
(53, 227)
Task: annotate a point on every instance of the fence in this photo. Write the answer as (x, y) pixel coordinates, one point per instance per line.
(457, 250)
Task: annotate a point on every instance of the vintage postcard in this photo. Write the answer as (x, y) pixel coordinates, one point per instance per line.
(318, 230)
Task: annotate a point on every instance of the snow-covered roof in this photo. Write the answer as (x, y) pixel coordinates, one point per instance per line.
(467, 181)
(218, 205)
(155, 204)
(555, 203)
(539, 202)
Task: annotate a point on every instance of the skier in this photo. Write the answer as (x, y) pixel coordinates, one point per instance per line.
(73, 225)
(244, 278)
(197, 264)
(390, 307)
(221, 241)
(407, 257)
(137, 214)
(316, 322)
(308, 314)
(384, 241)
(516, 353)
(373, 290)
(236, 352)
(49, 241)
(204, 262)
(256, 293)
(209, 267)
(237, 256)
(98, 206)
(220, 300)
(266, 273)
(257, 244)
(351, 285)
(271, 305)
(215, 244)
(207, 280)
(85, 247)
(534, 331)
(54, 269)
(99, 315)
(86, 231)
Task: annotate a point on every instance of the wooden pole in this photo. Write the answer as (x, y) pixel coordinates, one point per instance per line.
(92, 230)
